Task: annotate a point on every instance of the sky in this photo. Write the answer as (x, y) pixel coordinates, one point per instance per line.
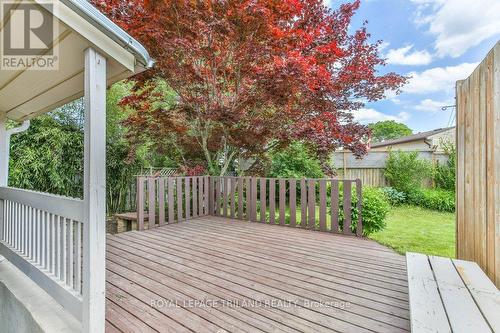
(436, 42)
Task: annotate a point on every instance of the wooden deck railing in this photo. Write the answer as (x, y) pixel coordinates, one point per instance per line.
(171, 199)
(42, 235)
(314, 204)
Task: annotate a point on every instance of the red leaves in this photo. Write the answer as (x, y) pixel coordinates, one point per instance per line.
(256, 70)
(197, 170)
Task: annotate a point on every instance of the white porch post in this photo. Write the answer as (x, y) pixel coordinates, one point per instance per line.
(4, 165)
(4, 149)
(94, 239)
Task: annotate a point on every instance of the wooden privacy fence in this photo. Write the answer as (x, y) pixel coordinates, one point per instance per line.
(478, 166)
(331, 205)
(368, 176)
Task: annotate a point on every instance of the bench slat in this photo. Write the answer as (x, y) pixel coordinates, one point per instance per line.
(426, 308)
(463, 314)
(484, 292)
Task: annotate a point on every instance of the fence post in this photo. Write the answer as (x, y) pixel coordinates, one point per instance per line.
(359, 225)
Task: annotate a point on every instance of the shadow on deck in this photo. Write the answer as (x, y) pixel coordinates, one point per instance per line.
(214, 274)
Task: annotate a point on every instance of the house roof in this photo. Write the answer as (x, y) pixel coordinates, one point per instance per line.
(26, 92)
(410, 138)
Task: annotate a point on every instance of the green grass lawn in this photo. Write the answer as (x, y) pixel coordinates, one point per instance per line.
(414, 229)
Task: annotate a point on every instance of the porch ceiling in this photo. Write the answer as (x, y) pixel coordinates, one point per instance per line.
(25, 93)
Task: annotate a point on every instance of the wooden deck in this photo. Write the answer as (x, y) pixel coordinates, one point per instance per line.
(220, 275)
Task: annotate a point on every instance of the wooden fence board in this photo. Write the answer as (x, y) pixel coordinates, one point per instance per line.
(211, 196)
(140, 202)
(282, 200)
(206, 195)
(197, 197)
(263, 199)
(475, 160)
(347, 208)
(171, 208)
(460, 174)
(248, 198)
(232, 184)
(187, 198)
(217, 196)
(494, 139)
(224, 181)
(311, 203)
(478, 166)
(240, 198)
(161, 201)
(293, 202)
(334, 197)
(253, 191)
(322, 205)
(359, 206)
(303, 203)
(370, 176)
(178, 184)
(194, 181)
(272, 201)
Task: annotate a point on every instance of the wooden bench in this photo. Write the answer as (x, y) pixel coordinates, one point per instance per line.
(128, 221)
(449, 295)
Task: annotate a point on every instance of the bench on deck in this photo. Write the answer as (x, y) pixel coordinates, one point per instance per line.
(128, 221)
(449, 295)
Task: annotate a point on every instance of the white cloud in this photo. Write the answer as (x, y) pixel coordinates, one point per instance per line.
(438, 79)
(405, 56)
(430, 105)
(383, 46)
(367, 115)
(458, 24)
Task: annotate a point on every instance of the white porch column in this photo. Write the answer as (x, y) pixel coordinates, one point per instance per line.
(4, 164)
(94, 239)
(4, 150)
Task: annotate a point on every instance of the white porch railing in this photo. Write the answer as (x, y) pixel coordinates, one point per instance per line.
(42, 235)
(60, 242)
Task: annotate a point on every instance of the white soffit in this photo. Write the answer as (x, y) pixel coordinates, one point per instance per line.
(25, 93)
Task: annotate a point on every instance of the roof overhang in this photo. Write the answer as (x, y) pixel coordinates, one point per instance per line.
(26, 92)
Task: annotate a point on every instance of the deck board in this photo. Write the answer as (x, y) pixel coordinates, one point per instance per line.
(223, 275)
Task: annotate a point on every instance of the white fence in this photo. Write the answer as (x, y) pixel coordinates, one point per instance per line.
(42, 235)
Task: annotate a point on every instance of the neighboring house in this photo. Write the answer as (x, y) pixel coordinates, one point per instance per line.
(429, 145)
(424, 141)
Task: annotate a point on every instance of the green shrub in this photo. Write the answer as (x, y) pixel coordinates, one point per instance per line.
(394, 196)
(444, 174)
(296, 161)
(48, 157)
(375, 208)
(435, 199)
(405, 171)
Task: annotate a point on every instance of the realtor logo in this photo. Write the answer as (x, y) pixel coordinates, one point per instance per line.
(28, 39)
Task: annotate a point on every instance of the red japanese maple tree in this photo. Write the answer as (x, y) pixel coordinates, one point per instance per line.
(248, 75)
